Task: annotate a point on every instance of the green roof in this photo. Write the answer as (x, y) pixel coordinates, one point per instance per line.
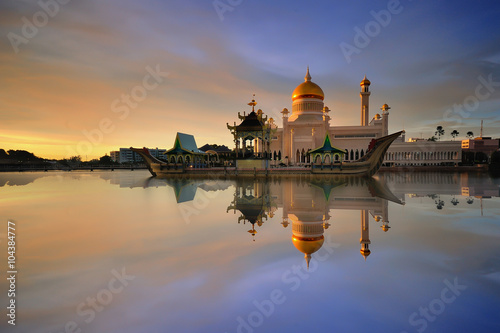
(184, 144)
(327, 148)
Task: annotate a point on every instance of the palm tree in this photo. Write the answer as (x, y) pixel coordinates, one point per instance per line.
(470, 135)
(454, 134)
(439, 132)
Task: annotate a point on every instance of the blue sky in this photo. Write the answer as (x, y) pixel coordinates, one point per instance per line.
(426, 57)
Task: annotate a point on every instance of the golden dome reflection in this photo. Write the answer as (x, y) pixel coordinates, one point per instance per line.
(308, 245)
(365, 253)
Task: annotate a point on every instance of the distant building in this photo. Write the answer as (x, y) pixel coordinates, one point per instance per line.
(221, 152)
(125, 155)
(423, 153)
(479, 149)
(416, 139)
(115, 156)
(222, 149)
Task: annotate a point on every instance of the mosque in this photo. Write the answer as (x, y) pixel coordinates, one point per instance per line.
(309, 122)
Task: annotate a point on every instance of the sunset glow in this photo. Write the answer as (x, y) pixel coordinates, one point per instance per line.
(65, 80)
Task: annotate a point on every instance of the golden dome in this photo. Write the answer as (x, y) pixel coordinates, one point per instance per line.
(308, 89)
(365, 81)
(385, 108)
(377, 117)
(308, 245)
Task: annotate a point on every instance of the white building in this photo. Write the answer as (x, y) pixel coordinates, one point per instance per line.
(423, 153)
(125, 155)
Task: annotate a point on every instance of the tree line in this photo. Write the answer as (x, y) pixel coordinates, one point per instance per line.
(440, 132)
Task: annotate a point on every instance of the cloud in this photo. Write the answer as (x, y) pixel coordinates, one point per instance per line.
(64, 80)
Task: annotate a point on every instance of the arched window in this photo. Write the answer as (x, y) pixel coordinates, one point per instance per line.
(352, 154)
(357, 154)
(362, 152)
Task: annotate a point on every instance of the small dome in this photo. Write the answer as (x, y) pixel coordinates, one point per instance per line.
(365, 82)
(377, 116)
(308, 245)
(365, 253)
(308, 89)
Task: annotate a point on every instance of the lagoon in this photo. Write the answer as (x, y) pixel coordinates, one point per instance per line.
(121, 251)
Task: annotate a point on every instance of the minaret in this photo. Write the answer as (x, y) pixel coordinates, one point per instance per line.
(285, 140)
(385, 119)
(365, 235)
(385, 216)
(365, 101)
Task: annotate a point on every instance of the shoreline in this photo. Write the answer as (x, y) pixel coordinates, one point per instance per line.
(232, 172)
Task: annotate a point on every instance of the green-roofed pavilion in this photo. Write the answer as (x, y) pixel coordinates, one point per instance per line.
(185, 150)
(327, 154)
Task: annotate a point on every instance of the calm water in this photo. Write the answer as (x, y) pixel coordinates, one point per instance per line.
(122, 252)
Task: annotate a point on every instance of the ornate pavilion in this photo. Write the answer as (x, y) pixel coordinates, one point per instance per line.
(256, 130)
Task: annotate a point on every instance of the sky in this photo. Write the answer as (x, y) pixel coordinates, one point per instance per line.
(88, 77)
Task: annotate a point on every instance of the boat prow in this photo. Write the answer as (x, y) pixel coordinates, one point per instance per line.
(155, 166)
(368, 165)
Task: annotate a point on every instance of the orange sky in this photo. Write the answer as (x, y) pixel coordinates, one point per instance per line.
(61, 92)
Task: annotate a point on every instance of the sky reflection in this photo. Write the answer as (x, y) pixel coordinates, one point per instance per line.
(196, 267)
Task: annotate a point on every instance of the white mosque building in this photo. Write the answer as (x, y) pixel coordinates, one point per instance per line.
(309, 123)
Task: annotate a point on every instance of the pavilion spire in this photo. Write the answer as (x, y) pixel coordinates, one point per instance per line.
(253, 103)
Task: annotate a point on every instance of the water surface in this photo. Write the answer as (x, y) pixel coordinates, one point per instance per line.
(123, 252)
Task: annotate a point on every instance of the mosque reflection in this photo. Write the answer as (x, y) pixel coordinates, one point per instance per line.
(306, 205)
